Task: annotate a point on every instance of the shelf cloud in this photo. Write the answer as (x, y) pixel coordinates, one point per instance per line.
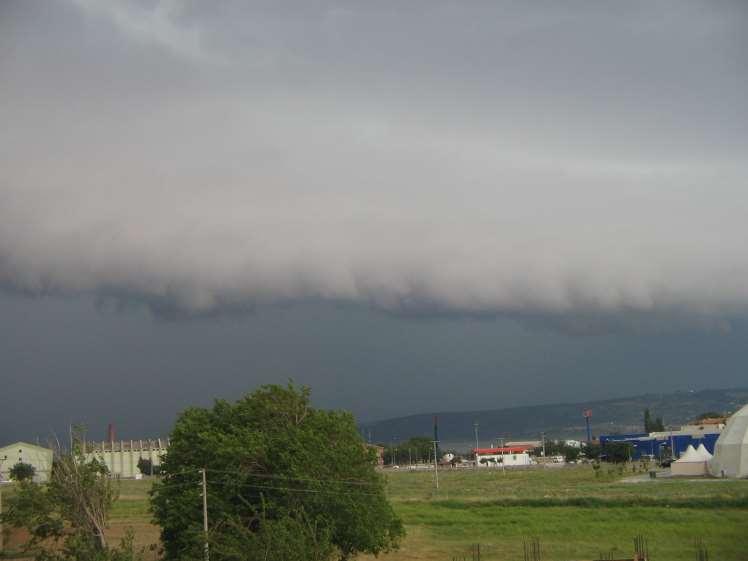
(564, 164)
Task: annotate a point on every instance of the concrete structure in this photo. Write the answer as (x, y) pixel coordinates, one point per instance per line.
(507, 456)
(121, 458)
(23, 452)
(731, 451)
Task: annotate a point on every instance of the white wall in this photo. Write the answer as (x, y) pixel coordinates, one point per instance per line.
(121, 457)
(37, 456)
(495, 460)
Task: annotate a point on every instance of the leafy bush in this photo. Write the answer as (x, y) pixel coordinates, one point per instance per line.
(146, 467)
(66, 518)
(22, 472)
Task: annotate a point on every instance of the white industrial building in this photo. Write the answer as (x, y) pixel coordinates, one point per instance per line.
(121, 457)
(22, 452)
(507, 456)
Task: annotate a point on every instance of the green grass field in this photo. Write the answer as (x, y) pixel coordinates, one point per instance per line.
(576, 514)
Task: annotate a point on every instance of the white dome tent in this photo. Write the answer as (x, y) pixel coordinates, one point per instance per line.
(731, 451)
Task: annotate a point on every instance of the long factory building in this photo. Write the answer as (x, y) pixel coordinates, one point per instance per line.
(122, 457)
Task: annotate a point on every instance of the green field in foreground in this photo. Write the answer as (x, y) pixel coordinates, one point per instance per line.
(575, 514)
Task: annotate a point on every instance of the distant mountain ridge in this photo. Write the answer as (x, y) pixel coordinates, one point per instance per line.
(561, 420)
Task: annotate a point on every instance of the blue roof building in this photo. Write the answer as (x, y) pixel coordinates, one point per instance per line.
(667, 443)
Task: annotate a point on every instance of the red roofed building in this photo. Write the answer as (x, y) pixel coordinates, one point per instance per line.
(504, 450)
(503, 456)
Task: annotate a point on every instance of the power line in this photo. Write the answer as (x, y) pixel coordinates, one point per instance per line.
(284, 477)
(197, 484)
(174, 485)
(292, 489)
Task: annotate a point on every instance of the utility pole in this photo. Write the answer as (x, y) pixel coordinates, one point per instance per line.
(503, 469)
(475, 429)
(436, 467)
(1, 521)
(205, 514)
(542, 438)
(436, 460)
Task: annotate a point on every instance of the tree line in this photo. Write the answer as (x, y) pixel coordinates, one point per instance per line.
(418, 449)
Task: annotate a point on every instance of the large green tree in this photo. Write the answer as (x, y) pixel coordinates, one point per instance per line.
(276, 469)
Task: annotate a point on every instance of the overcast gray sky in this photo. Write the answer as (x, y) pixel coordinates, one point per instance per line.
(535, 200)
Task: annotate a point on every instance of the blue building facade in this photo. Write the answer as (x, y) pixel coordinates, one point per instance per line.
(659, 445)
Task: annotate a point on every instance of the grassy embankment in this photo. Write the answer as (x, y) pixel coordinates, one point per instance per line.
(574, 513)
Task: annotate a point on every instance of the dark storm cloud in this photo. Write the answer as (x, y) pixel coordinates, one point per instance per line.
(63, 361)
(583, 162)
